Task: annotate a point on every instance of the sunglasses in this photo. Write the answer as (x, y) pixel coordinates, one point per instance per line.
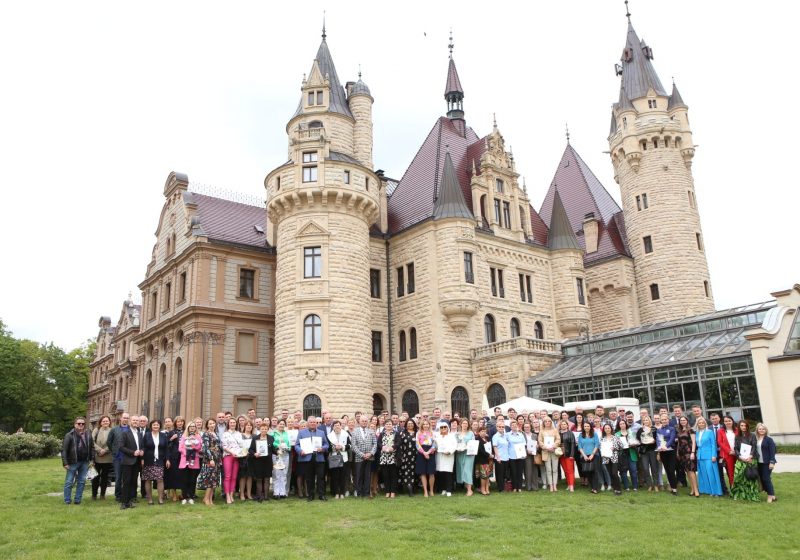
(80, 423)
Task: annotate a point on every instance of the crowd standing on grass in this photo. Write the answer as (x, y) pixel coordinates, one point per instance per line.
(252, 458)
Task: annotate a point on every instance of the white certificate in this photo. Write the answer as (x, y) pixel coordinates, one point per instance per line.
(624, 442)
(306, 446)
(549, 442)
(472, 447)
(488, 447)
(606, 448)
(316, 442)
(533, 446)
(745, 451)
(446, 446)
(262, 447)
(519, 450)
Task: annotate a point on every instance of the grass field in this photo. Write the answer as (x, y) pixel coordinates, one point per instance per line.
(500, 526)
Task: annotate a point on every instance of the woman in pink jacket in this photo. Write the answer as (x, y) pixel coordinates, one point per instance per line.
(190, 447)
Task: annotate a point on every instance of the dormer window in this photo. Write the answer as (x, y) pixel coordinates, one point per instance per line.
(319, 98)
(651, 103)
(498, 185)
(310, 171)
(315, 98)
(310, 98)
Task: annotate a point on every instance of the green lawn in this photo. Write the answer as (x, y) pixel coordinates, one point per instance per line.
(528, 525)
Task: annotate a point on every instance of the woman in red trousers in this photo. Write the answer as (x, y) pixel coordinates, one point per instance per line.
(725, 442)
(567, 459)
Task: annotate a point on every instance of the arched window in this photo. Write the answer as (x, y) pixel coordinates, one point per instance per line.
(315, 124)
(488, 329)
(514, 327)
(402, 346)
(163, 345)
(312, 333)
(176, 405)
(411, 402)
(412, 351)
(459, 402)
(312, 406)
(538, 330)
(496, 395)
(377, 404)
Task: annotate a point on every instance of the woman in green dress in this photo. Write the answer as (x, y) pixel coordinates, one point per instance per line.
(465, 464)
(746, 449)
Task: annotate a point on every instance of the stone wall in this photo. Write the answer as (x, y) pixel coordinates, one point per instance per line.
(612, 295)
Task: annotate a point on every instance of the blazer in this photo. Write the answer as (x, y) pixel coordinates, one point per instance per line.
(706, 446)
(306, 433)
(568, 444)
(547, 433)
(722, 442)
(149, 445)
(128, 446)
(768, 450)
(749, 439)
(364, 441)
(69, 449)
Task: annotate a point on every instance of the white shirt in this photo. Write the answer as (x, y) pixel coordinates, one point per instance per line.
(731, 437)
(156, 439)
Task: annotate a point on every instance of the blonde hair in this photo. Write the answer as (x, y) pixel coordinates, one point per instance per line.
(760, 425)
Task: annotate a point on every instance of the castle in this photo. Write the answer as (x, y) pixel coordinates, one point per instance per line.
(354, 291)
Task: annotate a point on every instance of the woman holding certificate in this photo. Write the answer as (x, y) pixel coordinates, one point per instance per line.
(517, 451)
(550, 444)
(245, 471)
(260, 463)
(387, 458)
(665, 436)
(445, 459)
(232, 449)
(337, 458)
(568, 447)
(628, 457)
(589, 447)
(281, 460)
(190, 448)
(483, 460)
(610, 448)
(465, 456)
(745, 485)
(426, 460)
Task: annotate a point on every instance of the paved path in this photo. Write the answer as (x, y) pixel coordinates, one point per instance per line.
(787, 463)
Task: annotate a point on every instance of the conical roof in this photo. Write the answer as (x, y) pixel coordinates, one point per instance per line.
(638, 73)
(675, 99)
(338, 101)
(561, 235)
(450, 202)
(453, 82)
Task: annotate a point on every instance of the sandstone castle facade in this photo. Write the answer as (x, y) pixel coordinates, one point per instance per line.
(354, 291)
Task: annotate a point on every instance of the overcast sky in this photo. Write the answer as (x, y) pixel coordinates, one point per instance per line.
(101, 100)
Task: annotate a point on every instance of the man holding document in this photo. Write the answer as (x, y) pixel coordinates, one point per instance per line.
(311, 446)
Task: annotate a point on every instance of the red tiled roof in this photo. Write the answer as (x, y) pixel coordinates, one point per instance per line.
(453, 82)
(230, 222)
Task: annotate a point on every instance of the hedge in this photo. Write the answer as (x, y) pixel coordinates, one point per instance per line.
(18, 447)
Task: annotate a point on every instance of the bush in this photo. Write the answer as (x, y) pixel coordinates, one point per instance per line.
(18, 447)
(789, 449)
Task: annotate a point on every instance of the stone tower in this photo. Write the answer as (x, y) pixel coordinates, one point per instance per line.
(321, 204)
(651, 150)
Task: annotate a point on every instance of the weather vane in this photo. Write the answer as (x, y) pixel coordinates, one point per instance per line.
(450, 45)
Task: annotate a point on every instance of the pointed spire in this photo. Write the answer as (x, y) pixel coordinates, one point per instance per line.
(324, 60)
(675, 99)
(624, 102)
(453, 92)
(566, 126)
(561, 235)
(627, 12)
(450, 201)
(638, 73)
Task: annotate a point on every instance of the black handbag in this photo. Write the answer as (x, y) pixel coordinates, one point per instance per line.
(335, 460)
(751, 472)
(588, 466)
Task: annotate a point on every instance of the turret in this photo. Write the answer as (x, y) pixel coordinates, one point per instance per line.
(360, 102)
(454, 93)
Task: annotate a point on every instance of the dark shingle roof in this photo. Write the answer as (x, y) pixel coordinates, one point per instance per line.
(675, 100)
(338, 102)
(453, 82)
(638, 73)
(229, 222)
(450, 200)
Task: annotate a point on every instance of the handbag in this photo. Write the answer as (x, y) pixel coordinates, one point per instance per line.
(559, 452)
(751, 472)
(588, 466)
(335, 460)
(91, 473)
(537, 459)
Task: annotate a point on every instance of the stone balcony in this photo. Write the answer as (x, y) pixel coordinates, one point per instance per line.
(516, 346)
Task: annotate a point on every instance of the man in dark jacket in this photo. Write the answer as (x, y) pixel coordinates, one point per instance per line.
(114, 442)
(132, 452)
(76, 454)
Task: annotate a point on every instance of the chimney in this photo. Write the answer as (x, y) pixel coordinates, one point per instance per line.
(590, 230)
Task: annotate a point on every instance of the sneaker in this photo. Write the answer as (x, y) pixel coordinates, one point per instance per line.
(444, 492)
(191, 502)
(449, 494)
(183, 502)
(347, 494)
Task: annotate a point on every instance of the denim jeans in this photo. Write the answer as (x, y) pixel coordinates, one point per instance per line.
(118, 479)
(76, 470)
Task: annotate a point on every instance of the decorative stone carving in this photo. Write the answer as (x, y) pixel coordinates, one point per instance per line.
(459, 311)
(633, 159)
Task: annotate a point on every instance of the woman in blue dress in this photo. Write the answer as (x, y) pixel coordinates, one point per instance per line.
(465, 464)
(707, 472)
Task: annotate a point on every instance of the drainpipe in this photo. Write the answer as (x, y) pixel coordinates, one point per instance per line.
(390, 336)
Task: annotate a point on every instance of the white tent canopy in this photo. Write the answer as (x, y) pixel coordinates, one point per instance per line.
(527, 404)
(616, 404)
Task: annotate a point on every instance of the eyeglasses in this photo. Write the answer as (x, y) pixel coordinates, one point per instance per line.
(80, 423)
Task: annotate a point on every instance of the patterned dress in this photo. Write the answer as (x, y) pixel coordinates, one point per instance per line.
(407, 456)
(683, 441)
(210, 476)
(743, 487)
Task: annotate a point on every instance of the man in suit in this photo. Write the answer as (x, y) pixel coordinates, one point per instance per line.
(143, 422)
(365, 444)
(132, 453)
(114, 443)
(312, 464)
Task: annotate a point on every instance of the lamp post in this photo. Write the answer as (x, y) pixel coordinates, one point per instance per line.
(584, 330)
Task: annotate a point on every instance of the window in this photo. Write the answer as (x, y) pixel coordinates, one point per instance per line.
(311, 98)
(644, 145)
(648, 244)
(493, 276)
(469, 273)
(644, 200)
(375, 283)
(400, 282)
(247, 283)
(346, 176)
(538, 330)
(498, 185)
(278, 183)
(402, 345)
(377, 404)
(312, 262)
(794, 336)
(525, 293)
(690, 194)
(167, 296)
(310, 174)
(501, 290)
(246, 347)
(412, 346)
(497, 212)
(377, 346)
(312, 333)
(411, 403)
(581, 295)
(488, 329)
(410, 277)
(654, 295)
(459, 402)
(312, 406)
(624, 122)
(182, 287)
(514, 327)
(496, 395)
(706, 288)
(528, 284)
(651, 103)
(655, 142)
(153, 304)
(366, 183)
(699, 241)
(319, 98)
(507, 214)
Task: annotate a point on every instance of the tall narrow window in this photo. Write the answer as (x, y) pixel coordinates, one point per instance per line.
(699, 241)
(412, 344)
(182, 287)
(459, 402)
(167, 295)
(497, 212)
(402, 346)
(375, 283)
(496, 395)
(311, 98)
(500, 289)
(377, 346)
(690, 194)
(498, 185)
(153, 304)
(312, 333)
(493, 277)
(246, 348)
(469, 274)
(401, 284)
(538, 330)
(581, 295)
(247, 283)
(312, 262)
(528, 283)
(648, 244)
(638, 202)
(488, 329)
(319, 98)
(522, 287)
(654, 295)
(410, 277)
(346, 176)
(514, 327)
(309, 171)
(644, 201)
(706, 288)
(507, 214)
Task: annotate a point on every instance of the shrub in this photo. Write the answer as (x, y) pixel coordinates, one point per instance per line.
(18, 447)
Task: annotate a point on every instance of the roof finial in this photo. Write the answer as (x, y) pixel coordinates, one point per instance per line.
(324, 35)
(627, 11)
(494, 121)
(524, 186)
(567, 129)
(450, 45)
(359, 71)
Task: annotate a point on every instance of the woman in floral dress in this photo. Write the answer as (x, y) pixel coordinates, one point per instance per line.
(745, 488)
(211, 462)
(687, 454)
(408, 456)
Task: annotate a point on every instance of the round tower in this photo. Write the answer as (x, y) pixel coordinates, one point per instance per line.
(320, 206)
(360, 100)
(651, 149)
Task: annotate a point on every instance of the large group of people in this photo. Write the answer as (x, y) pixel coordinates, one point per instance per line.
(252, 458)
